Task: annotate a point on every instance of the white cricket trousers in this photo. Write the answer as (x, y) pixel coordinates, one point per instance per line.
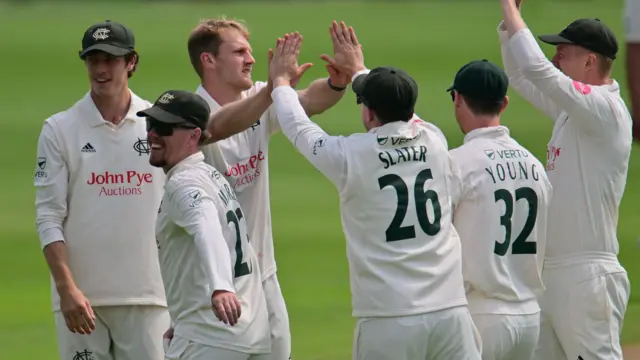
(182, 349)
(131, 332)
(583, 308)
(441, 335)
(278, 319)
(508, 337)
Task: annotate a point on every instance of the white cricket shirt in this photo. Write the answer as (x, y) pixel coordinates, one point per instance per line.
(501, 217)
(395, 186)
(204, 247)
(96, 191)
(587, 156)
(244, 161)
(632, 21)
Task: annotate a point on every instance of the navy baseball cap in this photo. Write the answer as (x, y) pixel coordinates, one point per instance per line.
(390, 92)
(591, 34)
(481, 80)
(179, 107)
(110, 37)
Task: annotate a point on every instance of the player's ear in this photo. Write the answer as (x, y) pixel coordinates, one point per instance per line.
(132, 61)
(505, 103)
(207, 60)
(195, 135)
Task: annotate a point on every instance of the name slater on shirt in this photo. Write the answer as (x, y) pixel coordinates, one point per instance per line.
(128, 183)
(516, 168)
(404, 154)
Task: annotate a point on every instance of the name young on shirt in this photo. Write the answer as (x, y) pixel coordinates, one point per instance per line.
(512, 170)
(404, 154)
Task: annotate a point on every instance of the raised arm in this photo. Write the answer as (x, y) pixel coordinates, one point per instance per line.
(632, 37)
(194, 210)
(51, 180)
(520, 83)
(590, 107)
(238, 116)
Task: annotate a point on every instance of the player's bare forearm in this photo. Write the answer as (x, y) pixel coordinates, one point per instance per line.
(238, 116)
(318, 97)
(56, 255)
(513, 21)
(633, 79)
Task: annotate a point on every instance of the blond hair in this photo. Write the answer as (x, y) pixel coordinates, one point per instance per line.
(205, 38)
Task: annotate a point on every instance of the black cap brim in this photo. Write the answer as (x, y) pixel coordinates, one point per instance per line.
(161, 115)
(108, 48)
(358, 84)
(554, 39)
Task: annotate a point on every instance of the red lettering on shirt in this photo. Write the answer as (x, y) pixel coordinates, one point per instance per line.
(582, 88)
(126, 183)
(245, 172)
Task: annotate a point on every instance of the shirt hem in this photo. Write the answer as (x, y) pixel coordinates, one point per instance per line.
(120, 302)
(239, 348)
(409, 312)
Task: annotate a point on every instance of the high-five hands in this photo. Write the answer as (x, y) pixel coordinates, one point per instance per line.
(347, 51)
(283, 64)
(283, 61)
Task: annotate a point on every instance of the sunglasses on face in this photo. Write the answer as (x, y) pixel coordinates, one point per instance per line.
(165, 129)
(453, 95)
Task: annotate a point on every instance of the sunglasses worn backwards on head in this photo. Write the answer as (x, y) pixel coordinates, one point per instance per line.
(165, 129)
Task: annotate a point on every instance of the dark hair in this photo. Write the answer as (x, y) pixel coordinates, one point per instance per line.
(483, 107)
(128, 58)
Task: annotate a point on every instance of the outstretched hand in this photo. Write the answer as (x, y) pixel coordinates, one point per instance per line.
(283, 61)
(347, 51)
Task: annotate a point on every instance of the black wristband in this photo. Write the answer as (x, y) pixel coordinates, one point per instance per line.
(333, 87)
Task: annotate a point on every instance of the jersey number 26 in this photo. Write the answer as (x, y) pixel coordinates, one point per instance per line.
(396, 231)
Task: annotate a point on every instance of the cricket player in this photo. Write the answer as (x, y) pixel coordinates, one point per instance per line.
(396, 185)
(206, 260)
(94, 189)
(587, 290)
(242, 124)
(632, 36)
(500, 215)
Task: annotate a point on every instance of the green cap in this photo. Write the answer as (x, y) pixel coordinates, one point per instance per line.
(591, 34)
(481, 80)
(390, 92)
(179, 107)
(110, 37)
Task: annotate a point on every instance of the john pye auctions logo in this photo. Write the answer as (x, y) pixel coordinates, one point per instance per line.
(127, 183)
(245, 172)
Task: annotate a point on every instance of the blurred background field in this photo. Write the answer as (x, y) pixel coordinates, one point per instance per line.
(41, 75)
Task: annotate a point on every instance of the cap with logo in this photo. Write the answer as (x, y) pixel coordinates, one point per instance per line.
(591, 34)
(481, 80)
(179, 108)
(110, 37)
(390, 92)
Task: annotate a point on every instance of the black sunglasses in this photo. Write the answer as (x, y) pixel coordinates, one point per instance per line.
(165, 129)
(453, 95)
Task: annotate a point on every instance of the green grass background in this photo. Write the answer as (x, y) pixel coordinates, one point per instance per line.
(41, 75)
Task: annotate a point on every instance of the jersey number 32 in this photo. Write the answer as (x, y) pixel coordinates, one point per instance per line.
(520, 244)
(396, 231)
